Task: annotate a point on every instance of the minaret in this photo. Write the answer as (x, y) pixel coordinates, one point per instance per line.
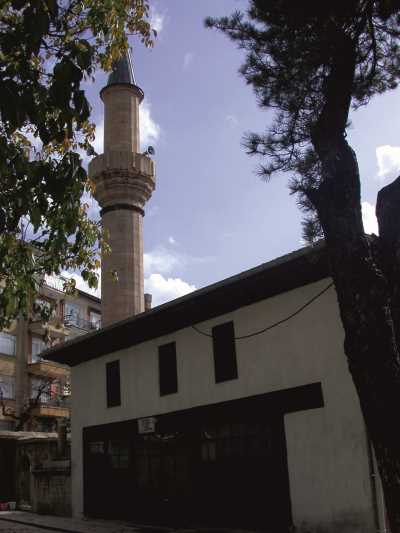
(124, 180)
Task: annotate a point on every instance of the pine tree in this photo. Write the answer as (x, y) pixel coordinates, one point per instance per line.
(311, 62)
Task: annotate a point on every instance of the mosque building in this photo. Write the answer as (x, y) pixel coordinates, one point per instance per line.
(230, 407)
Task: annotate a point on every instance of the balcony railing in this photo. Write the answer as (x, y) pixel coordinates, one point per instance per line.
(81, 323)
(57, 401)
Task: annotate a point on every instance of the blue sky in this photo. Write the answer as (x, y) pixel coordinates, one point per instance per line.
(210, 216)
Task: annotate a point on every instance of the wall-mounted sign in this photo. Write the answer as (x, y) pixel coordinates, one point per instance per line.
(147, 425)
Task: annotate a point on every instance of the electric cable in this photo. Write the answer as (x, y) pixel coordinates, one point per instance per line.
(275, 324)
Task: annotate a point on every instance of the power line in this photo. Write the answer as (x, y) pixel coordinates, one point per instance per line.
(282, 321)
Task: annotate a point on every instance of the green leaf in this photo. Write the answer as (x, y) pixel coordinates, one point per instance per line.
(35, 215)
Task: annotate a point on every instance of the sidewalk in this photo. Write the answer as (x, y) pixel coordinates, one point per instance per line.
(73, 525)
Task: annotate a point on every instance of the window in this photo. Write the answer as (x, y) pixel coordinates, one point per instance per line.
(113, 384)
(73, 314)
(94, 319)
(7, 344)
(167, 369)
(119, 454)
(224, 352)
(44, 309)
(7, 387)
(38, 346)
(7, 425)
(42, 388)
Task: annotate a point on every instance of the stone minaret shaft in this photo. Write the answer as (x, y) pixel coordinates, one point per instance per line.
(124, 180)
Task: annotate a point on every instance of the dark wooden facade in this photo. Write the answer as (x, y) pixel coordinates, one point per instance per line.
(221, 465)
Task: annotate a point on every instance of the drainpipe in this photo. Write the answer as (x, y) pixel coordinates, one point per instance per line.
(378, 501)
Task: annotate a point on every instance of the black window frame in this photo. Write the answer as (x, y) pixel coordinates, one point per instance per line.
(113, 383)
(224, 351)
(167, 369)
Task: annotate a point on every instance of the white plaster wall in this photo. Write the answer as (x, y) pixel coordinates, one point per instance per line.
(327, 454)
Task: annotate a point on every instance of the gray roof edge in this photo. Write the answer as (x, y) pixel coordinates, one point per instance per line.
(269, 265)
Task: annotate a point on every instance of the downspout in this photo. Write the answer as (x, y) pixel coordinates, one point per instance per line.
(377, 492)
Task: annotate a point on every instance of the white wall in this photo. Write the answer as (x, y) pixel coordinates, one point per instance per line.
(327, 453)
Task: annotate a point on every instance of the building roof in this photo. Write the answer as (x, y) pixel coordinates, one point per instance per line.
(288, 272)
(89, 296)
(122, 71)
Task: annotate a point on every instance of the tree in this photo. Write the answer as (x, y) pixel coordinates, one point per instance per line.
(48, 48)
(310, 62)
(41, 393)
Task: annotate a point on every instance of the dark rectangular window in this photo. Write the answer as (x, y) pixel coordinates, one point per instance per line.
(113, 384)
(167, 369)
(224, 352)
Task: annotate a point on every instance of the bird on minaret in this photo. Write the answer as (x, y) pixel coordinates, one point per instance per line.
(124, 180)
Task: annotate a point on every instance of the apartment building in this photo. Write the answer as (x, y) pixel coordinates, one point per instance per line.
(27, 381)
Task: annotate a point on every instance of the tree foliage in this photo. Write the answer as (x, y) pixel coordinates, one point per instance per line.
(48, 49)
(291, 52)
(310, 63)
(41, 394)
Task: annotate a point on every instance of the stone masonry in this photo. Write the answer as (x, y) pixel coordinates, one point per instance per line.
(124, 181)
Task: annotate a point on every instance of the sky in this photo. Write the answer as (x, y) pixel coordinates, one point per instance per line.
(210, 216)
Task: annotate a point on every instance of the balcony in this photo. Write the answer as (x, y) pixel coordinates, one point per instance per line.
(47, 368)
(75, 321)
(54, 327)
(58, 407)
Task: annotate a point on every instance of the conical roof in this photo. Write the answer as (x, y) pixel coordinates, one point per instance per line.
(122, 71)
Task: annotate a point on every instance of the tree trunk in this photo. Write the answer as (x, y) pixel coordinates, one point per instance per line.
(388, 215)
(365, 309)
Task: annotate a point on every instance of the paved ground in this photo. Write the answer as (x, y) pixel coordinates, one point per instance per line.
(24, 522)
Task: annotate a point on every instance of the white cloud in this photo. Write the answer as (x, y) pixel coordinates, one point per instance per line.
(369, 218)
(161, 267)
(165, 261)
(171, 240)
(149, 129)
(93, 209)
(82, 285)
(99, 138)
(165, 289)
(388, 159)
(156, 20)
(161, 260)
(187, 59)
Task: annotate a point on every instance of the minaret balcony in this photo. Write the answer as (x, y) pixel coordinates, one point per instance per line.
(115, 160)
(122, 177)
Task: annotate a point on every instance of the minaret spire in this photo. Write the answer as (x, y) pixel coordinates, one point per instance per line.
(122, 71)
(124, 180)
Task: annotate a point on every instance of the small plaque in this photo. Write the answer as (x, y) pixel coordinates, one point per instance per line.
(147, 425)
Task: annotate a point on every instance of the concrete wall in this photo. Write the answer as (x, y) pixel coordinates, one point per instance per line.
(327, 449)
(43, 482)
(52, 489)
